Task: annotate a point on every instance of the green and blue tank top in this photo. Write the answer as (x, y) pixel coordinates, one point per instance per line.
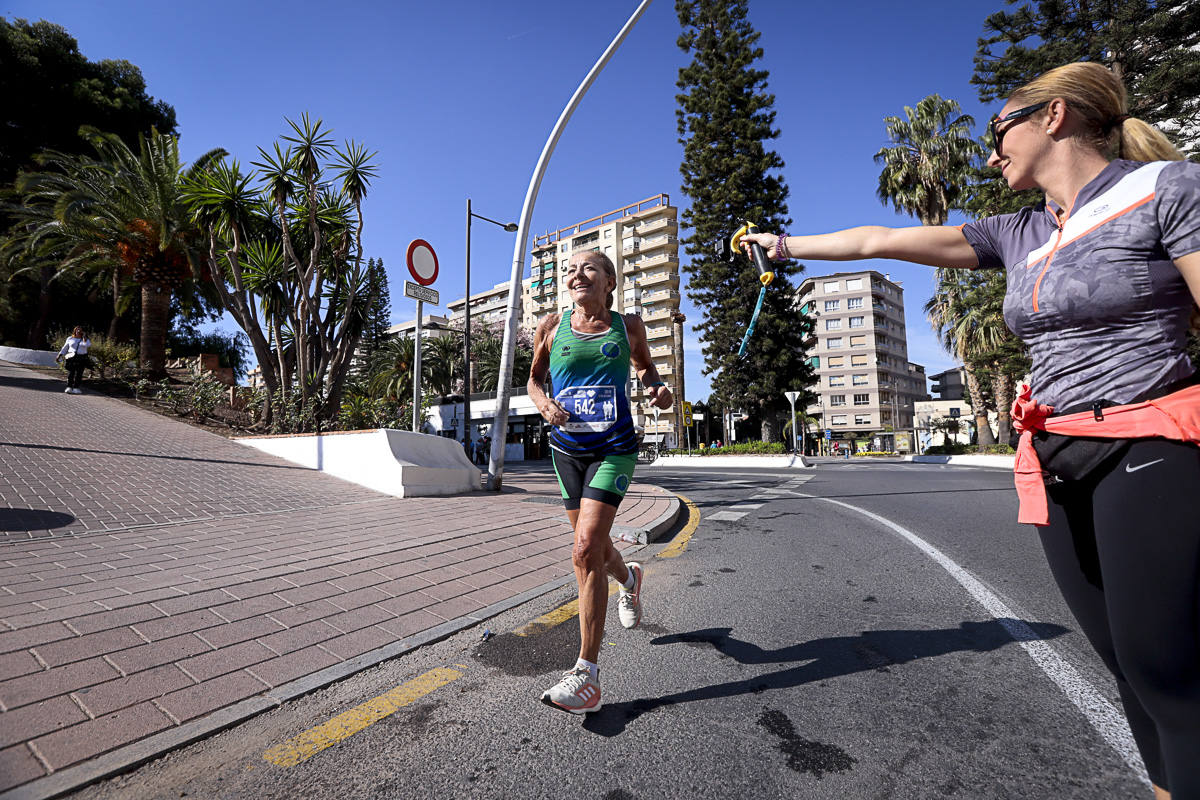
(588, 376)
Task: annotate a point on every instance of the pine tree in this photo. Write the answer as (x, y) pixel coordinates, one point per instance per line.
(379, 311)
(1153, 45)
(725, 117)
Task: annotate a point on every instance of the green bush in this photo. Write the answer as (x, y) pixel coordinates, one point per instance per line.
(746, 448)
(997, 450)
(112, 359)
(952, 449)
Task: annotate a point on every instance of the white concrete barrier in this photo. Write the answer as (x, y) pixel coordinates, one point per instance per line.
(399, 463)
(998, 462)
(19, 355)
(729, 462)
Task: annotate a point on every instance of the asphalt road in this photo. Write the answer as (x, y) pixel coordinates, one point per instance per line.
(797, 648)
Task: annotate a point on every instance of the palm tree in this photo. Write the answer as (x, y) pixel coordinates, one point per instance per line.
(926, 167)
(444, 354)
(392, 370)
(120, 211)
(963, 331)
(924, 170)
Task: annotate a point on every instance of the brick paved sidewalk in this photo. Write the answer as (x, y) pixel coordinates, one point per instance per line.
(158, 582)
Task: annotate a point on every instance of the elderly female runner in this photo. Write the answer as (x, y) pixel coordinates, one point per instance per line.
(1102, 279)
(587, 352)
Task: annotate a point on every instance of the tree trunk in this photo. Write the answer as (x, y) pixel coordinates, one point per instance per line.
(982, 428)
(1002, 388)
(156, 317)
(37, 332)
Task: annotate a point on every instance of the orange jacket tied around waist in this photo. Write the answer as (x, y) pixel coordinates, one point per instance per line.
(1176, 417)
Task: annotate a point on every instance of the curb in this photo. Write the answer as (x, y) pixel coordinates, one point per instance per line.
(723, 462)
(990, 462)
(133, 755)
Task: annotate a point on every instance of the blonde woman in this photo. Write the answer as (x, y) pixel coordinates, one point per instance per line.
(586, 352)
(74, 350)
(1103, 278)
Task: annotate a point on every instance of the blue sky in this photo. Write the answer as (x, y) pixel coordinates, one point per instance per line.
(458, 98)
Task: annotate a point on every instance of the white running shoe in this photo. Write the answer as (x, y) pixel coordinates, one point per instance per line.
(629, 605)
(576, 693)
(77, 390)
(68, 390)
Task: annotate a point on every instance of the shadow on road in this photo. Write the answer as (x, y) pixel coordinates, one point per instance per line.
(152, 455)
(828, 658)
(32, 519)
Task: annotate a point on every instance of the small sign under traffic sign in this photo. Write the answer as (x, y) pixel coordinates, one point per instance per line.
(423, 293)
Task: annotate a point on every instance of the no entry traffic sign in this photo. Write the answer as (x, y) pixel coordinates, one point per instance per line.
(422, 262)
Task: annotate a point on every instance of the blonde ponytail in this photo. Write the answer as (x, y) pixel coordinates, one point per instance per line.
(1099, 97)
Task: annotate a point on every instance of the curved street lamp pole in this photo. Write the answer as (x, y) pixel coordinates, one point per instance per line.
(511, 227)
(504, 379)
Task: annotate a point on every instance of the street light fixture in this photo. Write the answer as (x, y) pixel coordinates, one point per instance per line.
(511, 227)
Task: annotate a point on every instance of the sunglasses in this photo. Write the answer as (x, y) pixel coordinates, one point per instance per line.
(1020, 113)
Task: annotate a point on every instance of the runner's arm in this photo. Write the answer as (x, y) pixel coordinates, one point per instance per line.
(639, 356)
(933, 245)
(539, 368)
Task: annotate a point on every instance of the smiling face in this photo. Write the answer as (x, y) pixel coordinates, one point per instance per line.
(1020, 144)
(78, 332)
(589, 280)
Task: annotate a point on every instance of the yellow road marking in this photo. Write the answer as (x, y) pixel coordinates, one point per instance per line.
(676, 548)
(345, 725)
(571, 609)
(559, 615)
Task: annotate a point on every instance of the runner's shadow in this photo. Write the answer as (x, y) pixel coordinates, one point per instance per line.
(32, 519)
(827, 658)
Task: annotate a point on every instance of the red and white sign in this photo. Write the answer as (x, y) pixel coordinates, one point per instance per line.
(422, 262)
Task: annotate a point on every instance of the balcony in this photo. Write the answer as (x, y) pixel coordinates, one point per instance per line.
(659, 278)
(655, 242)
(660, 224)
(650, 315)
(659, 296)
(631, 246)
(660, 352)
(659, 332)
(645, 262)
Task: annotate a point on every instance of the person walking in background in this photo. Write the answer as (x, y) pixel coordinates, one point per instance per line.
(1103, 277)
(74, 350)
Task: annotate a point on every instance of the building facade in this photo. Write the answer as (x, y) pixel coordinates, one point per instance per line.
(641, 239)
(948, 385)
(866, 384)
(488, 308)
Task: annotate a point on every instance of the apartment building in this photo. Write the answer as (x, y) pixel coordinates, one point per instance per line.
(949, 385)
(866, 384)
(642, 241)
(489, 307)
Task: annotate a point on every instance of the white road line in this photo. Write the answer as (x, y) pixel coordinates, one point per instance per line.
(746, 507)
(1107, 720)
(725, 516)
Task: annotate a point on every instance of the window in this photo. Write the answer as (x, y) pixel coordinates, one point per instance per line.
(859, 360)
(833, 342)
(837, 399)
(608, 233)
(832, 305)
(815, 362)
(837, 380)
(854, 284)
(859, 380)
(858, 341)
(862, 419)
(833, 287)
(862, 399)
(563, 249)
(833, 324)
(608, 251)
(836, 361)
(854, 302)
(838, 419)
(857, 322)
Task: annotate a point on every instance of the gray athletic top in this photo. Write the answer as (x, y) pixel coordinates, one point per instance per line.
(1098, 300)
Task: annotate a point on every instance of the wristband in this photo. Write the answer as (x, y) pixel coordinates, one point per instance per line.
(656, 383)
(781, 247)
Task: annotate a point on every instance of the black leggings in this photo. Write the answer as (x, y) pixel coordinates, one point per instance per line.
(1124, 547)
(75, 367)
